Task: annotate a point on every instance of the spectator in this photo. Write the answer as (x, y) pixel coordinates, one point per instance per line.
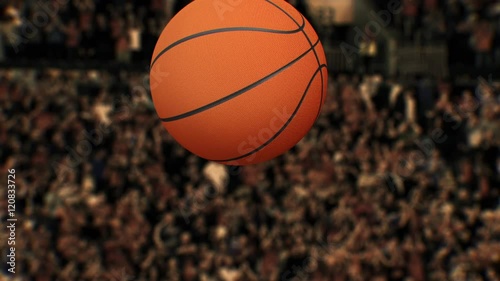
(72, 40)
(368, 50)
(410, 15)
(122, 48)
(482, 39)
(135, 40)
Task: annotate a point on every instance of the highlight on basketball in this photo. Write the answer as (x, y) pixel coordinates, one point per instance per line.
(250, 140)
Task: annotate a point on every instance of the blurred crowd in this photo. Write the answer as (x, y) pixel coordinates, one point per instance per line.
(469, 28)
(396, 181)
(127, 30)
(121, 30)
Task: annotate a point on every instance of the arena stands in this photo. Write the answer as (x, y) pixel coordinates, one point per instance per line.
(399, 179)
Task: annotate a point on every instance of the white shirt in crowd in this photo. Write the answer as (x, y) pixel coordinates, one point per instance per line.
(134, 34)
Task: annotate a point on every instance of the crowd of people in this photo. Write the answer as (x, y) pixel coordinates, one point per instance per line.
(396, 181)
(123, 31)
(127, 30)
(470, 29)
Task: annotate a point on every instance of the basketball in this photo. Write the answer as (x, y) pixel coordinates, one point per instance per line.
(238, 82)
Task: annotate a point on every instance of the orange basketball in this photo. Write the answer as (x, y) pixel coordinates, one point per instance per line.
(238, 81)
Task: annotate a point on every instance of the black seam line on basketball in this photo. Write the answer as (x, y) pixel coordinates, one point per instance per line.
(228, 29)
(319, 69)
(321, 99)
(310, 43)
(237, 93)
(322, 93)
(303, 32)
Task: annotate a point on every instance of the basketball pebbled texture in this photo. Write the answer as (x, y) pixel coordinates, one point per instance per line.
(244, 80)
